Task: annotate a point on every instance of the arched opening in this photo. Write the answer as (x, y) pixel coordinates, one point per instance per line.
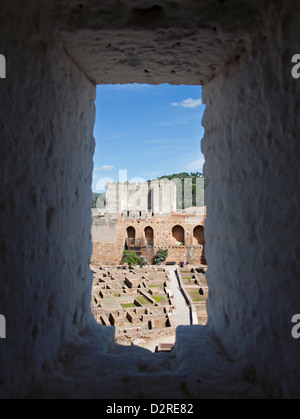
(149, 235)
(198, 235)
(178, 235)
(131, 233)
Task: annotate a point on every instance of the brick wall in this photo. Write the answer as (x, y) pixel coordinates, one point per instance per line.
(190, 251)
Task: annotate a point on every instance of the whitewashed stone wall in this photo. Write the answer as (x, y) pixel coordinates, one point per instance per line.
(252, 164)
(46, 119)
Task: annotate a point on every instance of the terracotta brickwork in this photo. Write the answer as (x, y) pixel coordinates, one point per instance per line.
(166, 234)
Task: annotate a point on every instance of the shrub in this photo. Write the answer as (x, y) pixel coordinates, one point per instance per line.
(143, 261)
(131, 258)
(161, 256)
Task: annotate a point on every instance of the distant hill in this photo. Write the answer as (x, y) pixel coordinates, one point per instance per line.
(191, 200)
(95, 196)
(183, 175)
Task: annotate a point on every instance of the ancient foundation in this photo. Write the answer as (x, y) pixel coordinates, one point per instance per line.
(140, 304)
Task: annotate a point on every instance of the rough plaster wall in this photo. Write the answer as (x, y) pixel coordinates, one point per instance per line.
(251, 147)
(47, 116)
(157, 41)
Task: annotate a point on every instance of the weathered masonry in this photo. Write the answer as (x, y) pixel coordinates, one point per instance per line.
(240, 51)
(182, 234)
(144, 218)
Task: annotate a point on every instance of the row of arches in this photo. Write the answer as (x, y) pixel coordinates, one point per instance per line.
(148, 233)
(178, 234)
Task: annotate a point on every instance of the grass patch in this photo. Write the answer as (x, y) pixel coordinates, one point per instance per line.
(157, 298)
(142, 300)
(159, 286)
(128, 305)
(195, 296)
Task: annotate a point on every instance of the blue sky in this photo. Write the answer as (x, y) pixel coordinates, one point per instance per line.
(147, 130)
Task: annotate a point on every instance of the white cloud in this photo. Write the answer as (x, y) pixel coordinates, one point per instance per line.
(103, 168)
(188, 103)
(150, 174)
(196, 165)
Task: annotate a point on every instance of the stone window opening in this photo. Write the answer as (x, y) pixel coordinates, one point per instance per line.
(146, 241)
(235, 49)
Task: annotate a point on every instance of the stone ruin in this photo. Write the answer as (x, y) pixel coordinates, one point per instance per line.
(139, 304)
(136, 302)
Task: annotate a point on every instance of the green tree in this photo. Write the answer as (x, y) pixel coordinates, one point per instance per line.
(191, 191)
(161, 256)
(131, 258)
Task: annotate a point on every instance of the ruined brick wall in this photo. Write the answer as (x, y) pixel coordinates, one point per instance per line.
(105, 254)
(190, 250)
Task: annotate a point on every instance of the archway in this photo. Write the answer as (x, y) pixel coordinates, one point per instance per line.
(131, 233)
(178, 234)
(149, 235)
(198, 235)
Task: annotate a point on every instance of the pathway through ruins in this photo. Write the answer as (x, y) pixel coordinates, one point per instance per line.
(181, 313)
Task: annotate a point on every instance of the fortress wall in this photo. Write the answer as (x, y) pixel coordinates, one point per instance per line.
(109, 240)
